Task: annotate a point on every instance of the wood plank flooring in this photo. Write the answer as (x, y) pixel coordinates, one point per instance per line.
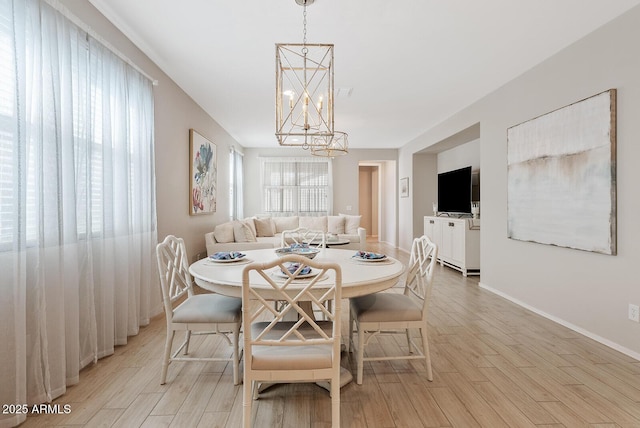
(495, 365)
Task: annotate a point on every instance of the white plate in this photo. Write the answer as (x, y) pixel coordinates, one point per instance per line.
(311, 274)
(237, 259)
(361, 259)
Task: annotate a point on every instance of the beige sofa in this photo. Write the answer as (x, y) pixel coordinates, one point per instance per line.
(257, 233)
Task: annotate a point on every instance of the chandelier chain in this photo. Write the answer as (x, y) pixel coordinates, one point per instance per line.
(304, 23)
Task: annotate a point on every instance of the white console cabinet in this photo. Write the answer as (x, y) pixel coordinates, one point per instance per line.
(458, 241)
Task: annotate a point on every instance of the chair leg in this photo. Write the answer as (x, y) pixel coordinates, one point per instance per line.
(409, 340)
(247, 391)
(350, 340)
(335, 402)
(236, 356)
(360, 357)
(425, 350)
(187, 341)
(167, 355)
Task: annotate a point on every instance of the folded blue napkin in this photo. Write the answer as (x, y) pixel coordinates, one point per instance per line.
(298, 245)
(227, 255)
(292, 267)
(369, 255)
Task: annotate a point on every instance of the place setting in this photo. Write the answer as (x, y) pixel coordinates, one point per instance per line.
(307, 272)
(367, 257)
(226, 257)
(299, 249)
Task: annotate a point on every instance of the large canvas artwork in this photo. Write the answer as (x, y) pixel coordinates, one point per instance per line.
(562, 176)
(203, 172)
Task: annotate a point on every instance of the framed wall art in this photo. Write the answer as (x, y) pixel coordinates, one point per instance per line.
(561, 183)
(203, 174)
(404, 187)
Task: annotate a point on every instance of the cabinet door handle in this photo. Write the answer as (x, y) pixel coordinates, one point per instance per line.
(451, 224)
(431, 222)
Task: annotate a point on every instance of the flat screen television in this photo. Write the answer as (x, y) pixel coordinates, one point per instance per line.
(454, 191)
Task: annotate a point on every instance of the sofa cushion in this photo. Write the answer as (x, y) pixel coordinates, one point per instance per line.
(242, 232)
(264, 227)
(285, 223)
(314, 223)
(351, 223)
(335, 224)
(249, 222)
(224, 233)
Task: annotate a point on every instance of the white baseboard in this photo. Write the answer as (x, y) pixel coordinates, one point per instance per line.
(564, 323)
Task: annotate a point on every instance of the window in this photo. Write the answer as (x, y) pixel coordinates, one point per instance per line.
(80, 115)
(235, 184)
(77, 201)
(296, 186)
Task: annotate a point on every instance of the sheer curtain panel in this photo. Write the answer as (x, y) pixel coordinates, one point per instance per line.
(236, 180)
(77, 203)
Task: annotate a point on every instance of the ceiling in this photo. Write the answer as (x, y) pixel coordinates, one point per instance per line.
(410, 64)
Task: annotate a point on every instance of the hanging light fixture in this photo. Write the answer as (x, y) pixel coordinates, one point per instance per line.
(330, 147)
(304, 90)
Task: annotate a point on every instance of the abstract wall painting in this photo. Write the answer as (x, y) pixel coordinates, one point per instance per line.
(562, 176)
(203, 174)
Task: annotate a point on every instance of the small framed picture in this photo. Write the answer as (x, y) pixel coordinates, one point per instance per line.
(203, 174)
(404, 187)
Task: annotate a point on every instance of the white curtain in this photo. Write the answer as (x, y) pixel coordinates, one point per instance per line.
(297, 186)
(236, 180)
(77, 203)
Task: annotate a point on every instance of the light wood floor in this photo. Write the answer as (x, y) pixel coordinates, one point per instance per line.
(495, 365)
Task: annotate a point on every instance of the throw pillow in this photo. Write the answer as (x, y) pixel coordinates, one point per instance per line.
(335, 224)
(242, 232)
(351, 223)
(285, 223)
(223, 233)
(264, 227)
(314, 223)
(249, 222)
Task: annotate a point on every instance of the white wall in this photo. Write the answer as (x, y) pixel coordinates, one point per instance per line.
(389, 209)
(586, 291)
(459, 157)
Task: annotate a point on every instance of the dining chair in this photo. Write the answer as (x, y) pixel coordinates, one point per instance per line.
(198, 313)
(304, 236)
(387, 312)
(281, 351)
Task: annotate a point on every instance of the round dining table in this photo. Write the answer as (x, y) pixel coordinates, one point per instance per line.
(359, 276)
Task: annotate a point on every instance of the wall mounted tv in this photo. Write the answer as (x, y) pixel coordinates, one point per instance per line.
(454, 191)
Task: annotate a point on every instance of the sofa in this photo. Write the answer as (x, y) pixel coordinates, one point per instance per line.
(266, 232)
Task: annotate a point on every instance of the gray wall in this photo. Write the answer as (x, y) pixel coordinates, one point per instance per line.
(175, 114)
(423, 190)
(585, 291)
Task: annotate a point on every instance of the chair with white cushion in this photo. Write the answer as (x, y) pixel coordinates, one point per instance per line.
(303, 350)
(198, 313)
(388, 312)
(304, 237)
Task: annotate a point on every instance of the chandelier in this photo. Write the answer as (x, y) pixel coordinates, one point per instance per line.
(304, 91)
(330, 147)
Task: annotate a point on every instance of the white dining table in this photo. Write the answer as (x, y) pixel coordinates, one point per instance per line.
(359, 277)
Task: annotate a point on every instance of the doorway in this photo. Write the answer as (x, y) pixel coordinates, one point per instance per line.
(369, 199)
